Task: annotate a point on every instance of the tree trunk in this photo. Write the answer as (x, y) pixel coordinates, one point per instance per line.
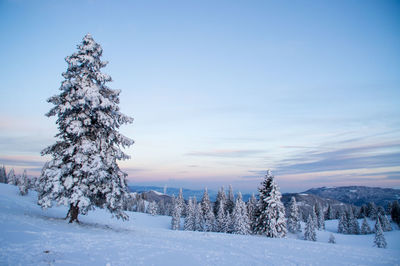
(73, 213)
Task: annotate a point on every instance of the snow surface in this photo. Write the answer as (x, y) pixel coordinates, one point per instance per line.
(31, 236)
(158, 193)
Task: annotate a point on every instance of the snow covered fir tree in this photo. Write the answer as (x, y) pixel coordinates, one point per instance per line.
(240, 217)
(309, 232)
(270, 220)
(207, 213)
(83, 170)
(293, 221)
(379, 240)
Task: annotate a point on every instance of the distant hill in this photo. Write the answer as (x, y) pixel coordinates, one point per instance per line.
(305, 203)
(174, 191)
(358, 195)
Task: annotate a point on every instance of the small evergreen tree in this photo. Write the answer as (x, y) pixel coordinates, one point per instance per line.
(338, 213)
(329, 213)
(294, 217)
(240, 218)
(342, 225)
(230, 202)
(181, 203)
(380, 211)
(229, 223)
(162, 210)
(314, 216)
(379, 239)
(332, 239)
(372, 211)
(385, 224)
(11, 178)
(152, 208)
(271, 219)
(198, 217)
(363, 211)
(221, 198)
(352, 223)
(176, 214)
(309, 232)
(141, 206)
(365, 229)
(395, 212)
(23, 184)
(3, 175)
(190, 219)
(319, 216)
(220, 221)
(83, 172)
(251, 209)
(207, 213)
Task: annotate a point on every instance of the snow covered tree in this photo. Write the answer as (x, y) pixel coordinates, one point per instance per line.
(380, 211)
(141, 206)
(320, 217)
(386, 226)
(352, 223)
(332, 239)
(365, 229)
(3, 175)
(176, 214)
(240, 218)
(207, 213)
(294, 217)
(198, 217)
(230, 202)
(220, 219)
(11, 178)
(83, 172)
(23, 184)
(371, 210)
(395, 212)
(33, 183)
(363, 211)
(181, 202)
(330, 215)
(342, 225)
(270, 220)
(314, 216)
(190, 218)
(251, 210)
(221, 198)
(162, 207)
(152, 208)
(379, 239)
(229, 223)
(309, 232)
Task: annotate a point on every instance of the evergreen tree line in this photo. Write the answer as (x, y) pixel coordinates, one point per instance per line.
(230, 214)
(22, 181)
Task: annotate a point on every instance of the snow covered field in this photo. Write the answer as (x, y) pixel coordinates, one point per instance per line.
(30, 236)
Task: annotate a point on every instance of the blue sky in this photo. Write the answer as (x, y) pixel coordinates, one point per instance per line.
(220, 90)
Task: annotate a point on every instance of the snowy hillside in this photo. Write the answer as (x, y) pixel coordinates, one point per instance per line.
(30, 236)
(358, 195)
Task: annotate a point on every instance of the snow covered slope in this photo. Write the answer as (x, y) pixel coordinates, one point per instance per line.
(30, 236)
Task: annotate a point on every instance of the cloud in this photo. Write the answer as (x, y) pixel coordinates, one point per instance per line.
(227, 153)
(369, 156)
(21, 161)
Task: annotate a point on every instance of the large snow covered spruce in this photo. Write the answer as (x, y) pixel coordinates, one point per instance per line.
(83, 172)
